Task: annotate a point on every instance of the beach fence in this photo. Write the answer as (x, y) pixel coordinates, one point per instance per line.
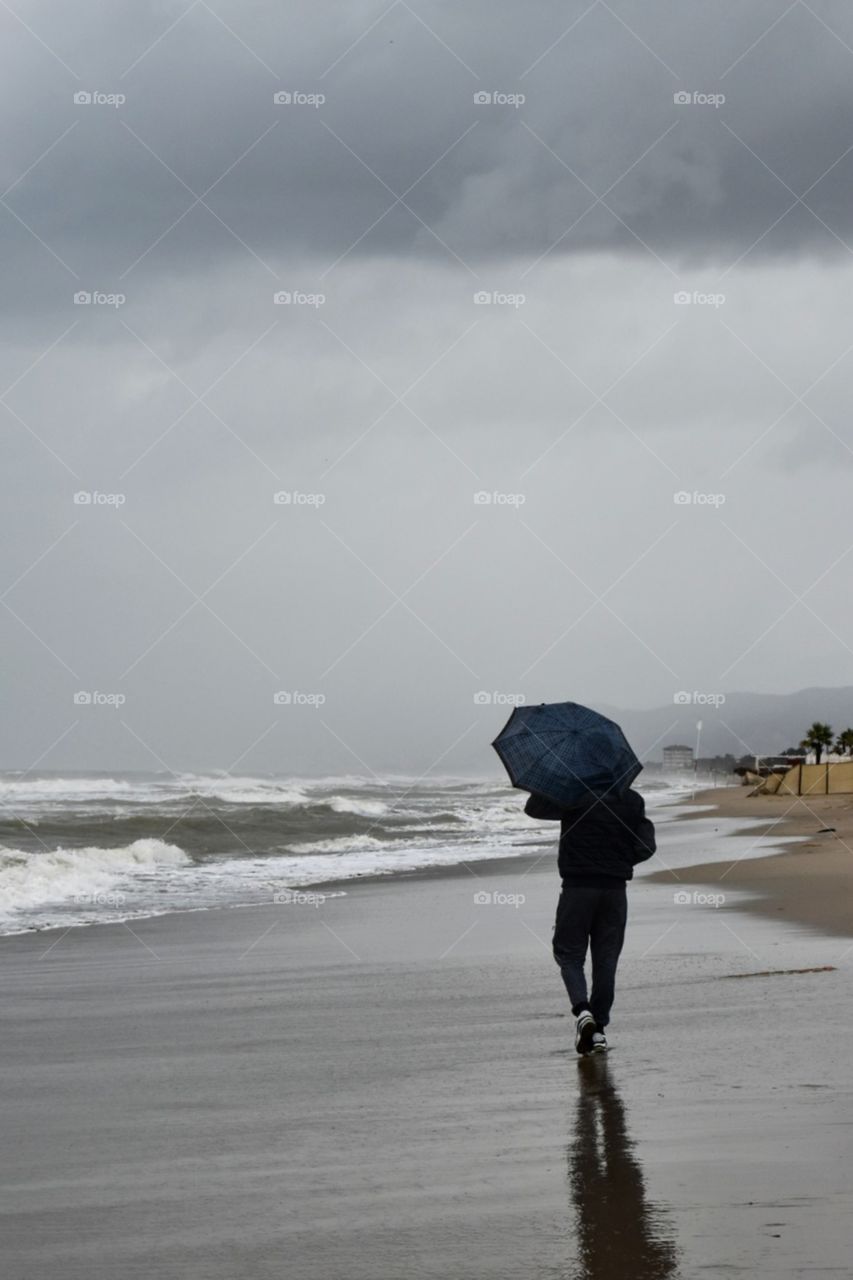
(827, 779)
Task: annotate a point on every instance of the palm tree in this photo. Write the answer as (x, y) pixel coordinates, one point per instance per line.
(818, 737)
(844, 744)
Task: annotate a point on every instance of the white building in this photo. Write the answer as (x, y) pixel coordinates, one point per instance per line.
(677, 758)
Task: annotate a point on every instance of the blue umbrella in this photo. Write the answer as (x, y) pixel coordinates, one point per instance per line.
(564, 751)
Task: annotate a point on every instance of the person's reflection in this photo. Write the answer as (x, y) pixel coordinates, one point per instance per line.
(619, 1234)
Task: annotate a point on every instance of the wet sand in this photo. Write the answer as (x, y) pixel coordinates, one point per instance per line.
(810, 881)
(384, 1086)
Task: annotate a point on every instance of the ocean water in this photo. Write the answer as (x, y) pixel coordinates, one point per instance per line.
(89, 848)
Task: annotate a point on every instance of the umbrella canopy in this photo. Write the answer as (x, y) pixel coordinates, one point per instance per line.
(564, 751)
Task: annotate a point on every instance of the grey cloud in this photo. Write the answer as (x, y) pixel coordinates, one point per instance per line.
(399, 99)
(400, 597)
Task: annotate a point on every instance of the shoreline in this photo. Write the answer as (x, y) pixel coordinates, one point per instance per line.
(530, 853)
(807, 883)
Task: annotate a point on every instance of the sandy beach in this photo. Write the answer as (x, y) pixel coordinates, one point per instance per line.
(808, 882)
(384, 1085)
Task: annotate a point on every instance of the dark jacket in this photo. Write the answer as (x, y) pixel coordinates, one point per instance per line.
(600, 840)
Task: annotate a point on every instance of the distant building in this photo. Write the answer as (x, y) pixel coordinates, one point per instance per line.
(769, 764)
(677, 757)
(782, 762)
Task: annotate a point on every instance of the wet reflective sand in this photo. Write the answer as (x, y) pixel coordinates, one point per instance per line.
(619, 1230)
(386, 1088)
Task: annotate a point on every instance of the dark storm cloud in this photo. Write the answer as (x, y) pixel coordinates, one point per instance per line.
(599, 156)
(599, 198)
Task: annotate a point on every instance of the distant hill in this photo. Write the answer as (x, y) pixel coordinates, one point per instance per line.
(745, 724)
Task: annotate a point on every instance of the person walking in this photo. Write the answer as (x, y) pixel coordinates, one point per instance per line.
(602, 839)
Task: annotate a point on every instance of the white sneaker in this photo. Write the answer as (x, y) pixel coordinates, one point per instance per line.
(584, 1032)
(599, 1042)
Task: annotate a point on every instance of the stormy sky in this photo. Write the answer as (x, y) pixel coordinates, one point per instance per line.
(368, 365)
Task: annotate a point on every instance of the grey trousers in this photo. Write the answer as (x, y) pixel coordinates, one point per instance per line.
(591, 919)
